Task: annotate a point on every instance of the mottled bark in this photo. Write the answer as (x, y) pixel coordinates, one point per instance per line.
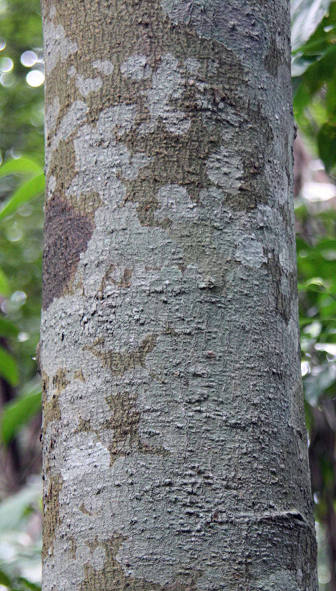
(175, 452)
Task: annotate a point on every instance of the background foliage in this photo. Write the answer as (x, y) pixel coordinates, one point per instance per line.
(21, 188)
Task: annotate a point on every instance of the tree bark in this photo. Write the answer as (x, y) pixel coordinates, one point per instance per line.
(174, 445)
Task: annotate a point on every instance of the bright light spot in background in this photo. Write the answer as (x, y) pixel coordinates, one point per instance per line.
(13, 232)
(313, 329)
(305, 368)
(22, 337)
(3, 6)
(2, 44)
(329, 348)
(35, 78)
(18, 298)
(7, 79)
(324, 575)
(28, 58)
(6, 64)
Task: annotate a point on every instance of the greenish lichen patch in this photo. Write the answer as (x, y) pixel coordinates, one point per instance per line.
(112, 576)
(119, 362)
(67, 233)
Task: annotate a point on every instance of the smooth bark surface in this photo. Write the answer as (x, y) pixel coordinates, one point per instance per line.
(175, 452)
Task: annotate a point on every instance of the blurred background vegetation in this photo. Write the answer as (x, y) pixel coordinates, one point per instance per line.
(21, 220)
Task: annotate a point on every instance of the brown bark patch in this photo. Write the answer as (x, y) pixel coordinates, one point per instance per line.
(86, 203)
(67, 233)
(84, 426)
(114, 275)
(50, 403)
(118, 362)
(51, 512)
(124, 424)
(84, 510)
(78, 375)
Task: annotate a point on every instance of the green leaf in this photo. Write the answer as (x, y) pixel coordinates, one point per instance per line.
(18, 413)
(326, 140)
(306, 16)
(21, 166)
(8, 367)
(28, 584)
(24, 193)
(4, 285)
(4, 580)
(7, 328)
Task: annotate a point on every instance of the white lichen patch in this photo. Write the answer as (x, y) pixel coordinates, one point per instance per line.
(88, 85)
(174, 201)
(136, 67)
(73, 118)
(99, 147)
(98, 558)
(286, 261)
(75, 406)
(72, 71)
(51, 185)
(192, 65)
(279, 579)
(103, 66)
(250, 252)
(120, 119)
(225, 168)
(167, 86)
(57, 46)
(86, 454)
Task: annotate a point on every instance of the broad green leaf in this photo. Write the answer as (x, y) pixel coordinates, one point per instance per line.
(315, 283)
(21, 166)
(17, 413)
(4, 579)
(24, 193)
(326, 140)
(28, 584)
(8, 367)
(7, 328)
(306, 16)
(321, 70)
(4, 285)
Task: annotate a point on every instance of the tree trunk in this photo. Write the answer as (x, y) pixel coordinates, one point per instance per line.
(175, 451)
